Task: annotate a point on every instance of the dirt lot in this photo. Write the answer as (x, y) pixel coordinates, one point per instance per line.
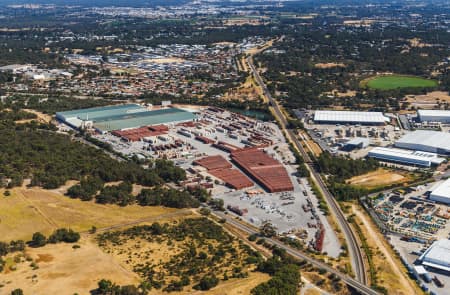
(329, 65)
(429, 100)
(64, 270)
(30, 210)
(44, 118)
(391, 273)
(380, 177)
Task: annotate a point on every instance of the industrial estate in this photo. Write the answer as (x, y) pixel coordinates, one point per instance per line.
(224, 147)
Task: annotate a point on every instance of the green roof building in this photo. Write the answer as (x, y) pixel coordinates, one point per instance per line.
(121, 117)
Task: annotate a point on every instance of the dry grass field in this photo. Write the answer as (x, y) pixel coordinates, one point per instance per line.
(30, 210)
(166, 256)
(380, 177)
(64, 270)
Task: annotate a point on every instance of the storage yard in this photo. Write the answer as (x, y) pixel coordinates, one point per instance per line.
(413, 222)
(243, 161)
(413, 214)
(350, 133)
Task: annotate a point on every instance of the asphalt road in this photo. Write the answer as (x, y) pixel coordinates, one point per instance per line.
(353, 247)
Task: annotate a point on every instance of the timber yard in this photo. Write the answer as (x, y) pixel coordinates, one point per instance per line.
(244, 161)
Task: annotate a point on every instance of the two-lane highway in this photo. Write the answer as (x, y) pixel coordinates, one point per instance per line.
(353, 246)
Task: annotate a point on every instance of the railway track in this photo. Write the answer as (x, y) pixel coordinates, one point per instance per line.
(352, 242)
(355, 284)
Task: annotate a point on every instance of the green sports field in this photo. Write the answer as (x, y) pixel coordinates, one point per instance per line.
(395, 81)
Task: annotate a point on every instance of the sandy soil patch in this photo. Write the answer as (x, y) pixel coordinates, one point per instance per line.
(429, 100)
(348, 93)
(45, 118)
(64, 270)
(377, 178)
(310, 144)
(329, 65)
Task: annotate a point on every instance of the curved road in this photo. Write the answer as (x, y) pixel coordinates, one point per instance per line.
(353, 247)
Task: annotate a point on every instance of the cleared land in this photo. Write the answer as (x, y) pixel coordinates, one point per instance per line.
(429, 100)
(64, 270)
(329, 65)
(380, 177)
(30, 210)
(397, 81)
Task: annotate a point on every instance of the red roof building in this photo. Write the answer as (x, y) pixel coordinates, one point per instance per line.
(265, 170)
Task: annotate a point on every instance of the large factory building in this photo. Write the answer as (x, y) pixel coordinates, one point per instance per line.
(427, 141)
(441, 193)
(350, 117)
(265, 170)
(437, 256)
(442, 116)
(407, 157)
(121, 117)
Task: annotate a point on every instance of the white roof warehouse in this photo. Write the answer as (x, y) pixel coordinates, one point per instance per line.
(427, 141)
(442, 116)
(441, 193)
(350, 117)
(438, 255)
(407, 157)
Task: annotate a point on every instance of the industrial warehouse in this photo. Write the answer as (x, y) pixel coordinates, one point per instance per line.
(121, 117)
(427, 141)
(350, 117)
(415, 158)
(442, 116)
(441, 193)
(436, 256)
(264, 169)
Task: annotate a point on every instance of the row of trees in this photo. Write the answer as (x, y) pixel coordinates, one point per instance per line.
(93, 188)
(58, 236)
